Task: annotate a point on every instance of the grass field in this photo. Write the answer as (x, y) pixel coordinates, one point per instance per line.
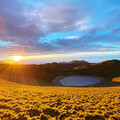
(23, 102)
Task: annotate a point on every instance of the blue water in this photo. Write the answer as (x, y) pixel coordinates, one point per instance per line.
(79, 81)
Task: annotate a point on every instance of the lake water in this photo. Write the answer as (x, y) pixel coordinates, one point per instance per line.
(79, 81)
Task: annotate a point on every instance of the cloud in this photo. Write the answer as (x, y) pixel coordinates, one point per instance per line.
(58, 16)
(72, 37)
(27, 25)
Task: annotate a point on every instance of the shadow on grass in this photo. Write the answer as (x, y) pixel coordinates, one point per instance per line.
(37, 82)
(106, 84)
(32, 81)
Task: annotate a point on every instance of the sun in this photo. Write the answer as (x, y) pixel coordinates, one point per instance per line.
(17, 58)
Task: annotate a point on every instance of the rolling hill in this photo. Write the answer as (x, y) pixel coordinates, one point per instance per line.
(109, 70)
(30, 102)
(24, 102)
(44, 74)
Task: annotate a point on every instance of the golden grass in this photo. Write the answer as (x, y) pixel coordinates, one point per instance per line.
(117, 79)
(23, 102)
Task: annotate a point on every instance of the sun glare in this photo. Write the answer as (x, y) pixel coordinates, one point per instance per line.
(17, 58)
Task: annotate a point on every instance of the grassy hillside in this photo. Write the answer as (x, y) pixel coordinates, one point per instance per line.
(29, 101)
(25, 74)
(23, 102)
(110, 70)
(42, 74)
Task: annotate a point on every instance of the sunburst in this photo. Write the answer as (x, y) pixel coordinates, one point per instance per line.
(16, 58)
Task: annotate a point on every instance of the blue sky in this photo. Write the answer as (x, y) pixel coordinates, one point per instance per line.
(70, 28)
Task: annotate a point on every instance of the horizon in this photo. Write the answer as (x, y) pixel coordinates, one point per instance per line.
(46, 31)
(27, 63)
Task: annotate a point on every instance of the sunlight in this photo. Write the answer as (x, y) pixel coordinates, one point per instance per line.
(16, 58)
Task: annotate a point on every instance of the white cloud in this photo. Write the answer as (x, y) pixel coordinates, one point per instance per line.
(72, 37)
(58, 16)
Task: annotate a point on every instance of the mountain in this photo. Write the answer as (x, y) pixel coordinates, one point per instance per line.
(108, 69)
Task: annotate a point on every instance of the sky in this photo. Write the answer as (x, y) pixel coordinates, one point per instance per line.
(60, 30)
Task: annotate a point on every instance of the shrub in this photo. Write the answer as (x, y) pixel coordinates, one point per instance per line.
(22, 116)
(62, 116)
(51, 112)
(34, 112)
(43, 117)
(94, 117)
